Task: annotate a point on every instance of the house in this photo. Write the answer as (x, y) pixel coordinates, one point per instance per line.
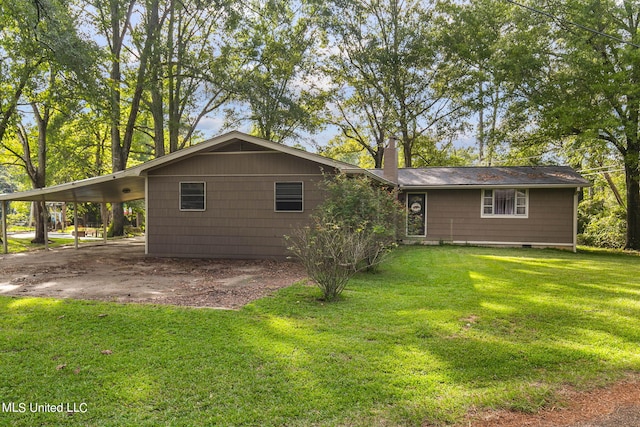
(236, 196)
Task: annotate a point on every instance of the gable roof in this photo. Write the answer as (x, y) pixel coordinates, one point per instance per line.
(129, 184)
(482, 177)
(234, 136)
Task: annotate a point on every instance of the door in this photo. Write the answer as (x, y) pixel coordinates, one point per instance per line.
(416, 214)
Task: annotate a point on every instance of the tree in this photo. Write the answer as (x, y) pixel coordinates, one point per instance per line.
(484, 43)
(21, 47)
(198, 78)
(187, 68)
(277, 69)
(589, 86)
(34, 33)
(114, 20)
(42, 46)
(165, 61)
(389, 55)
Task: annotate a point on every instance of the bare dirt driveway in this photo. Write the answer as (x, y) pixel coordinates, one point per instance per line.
(120, 271)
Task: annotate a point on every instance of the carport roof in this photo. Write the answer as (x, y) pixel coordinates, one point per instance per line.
(122, 186)
(130, 184)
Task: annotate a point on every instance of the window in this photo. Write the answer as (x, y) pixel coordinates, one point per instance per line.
(505, 203)
(192, 196)
(288, 197)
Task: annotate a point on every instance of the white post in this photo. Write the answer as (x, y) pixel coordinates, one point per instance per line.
(45, 217)
(105, 221)
(75, 223)
(575, 221)
(146, 215)
(5, 244)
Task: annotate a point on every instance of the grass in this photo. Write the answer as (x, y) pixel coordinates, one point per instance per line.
(436, 332)
(16, 245)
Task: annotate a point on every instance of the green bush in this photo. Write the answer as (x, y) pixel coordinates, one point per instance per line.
(603, 229)
(352, 230)
(359, 205)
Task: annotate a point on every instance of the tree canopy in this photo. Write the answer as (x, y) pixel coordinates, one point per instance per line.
(111, 83)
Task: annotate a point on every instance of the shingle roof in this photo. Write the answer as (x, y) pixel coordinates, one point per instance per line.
(508, 176)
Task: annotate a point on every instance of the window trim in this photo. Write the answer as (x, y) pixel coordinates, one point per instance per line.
(275, 196)
(513, 215)
(204, 196)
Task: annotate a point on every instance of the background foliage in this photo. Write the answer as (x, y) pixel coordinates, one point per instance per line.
(92, 86)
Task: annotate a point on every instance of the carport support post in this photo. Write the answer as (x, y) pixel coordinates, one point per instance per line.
(105, 221)
(75, 223)
(45, 219)
(5, 244)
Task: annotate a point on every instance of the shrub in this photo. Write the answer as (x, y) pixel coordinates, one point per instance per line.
(352, 230)
(605, 231)
(601, 227)
(330, 255)
(361, 206)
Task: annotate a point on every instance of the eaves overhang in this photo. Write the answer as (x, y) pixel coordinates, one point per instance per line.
(488, 186)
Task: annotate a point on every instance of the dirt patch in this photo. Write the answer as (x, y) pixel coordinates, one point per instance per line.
(614, 406)
(120, 271)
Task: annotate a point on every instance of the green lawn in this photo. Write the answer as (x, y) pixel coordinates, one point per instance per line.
(437, 331)
(16, 245)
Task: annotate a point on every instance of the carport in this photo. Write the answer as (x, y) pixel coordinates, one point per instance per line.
(118, 187)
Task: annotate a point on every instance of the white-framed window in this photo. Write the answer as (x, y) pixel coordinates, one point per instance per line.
(288, 197)
(505, 202)
(193, 196)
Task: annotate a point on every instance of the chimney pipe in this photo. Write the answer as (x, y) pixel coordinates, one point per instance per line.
(390, 164)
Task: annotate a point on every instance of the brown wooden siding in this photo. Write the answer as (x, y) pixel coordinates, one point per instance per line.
(455, 215)
(240, 219)
(239, 163)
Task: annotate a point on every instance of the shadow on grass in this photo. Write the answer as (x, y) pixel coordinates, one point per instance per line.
(435, 332)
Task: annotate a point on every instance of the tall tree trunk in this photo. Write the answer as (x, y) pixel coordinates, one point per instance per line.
(173, 78)
(39, 220)
(481, 137)
(632, 174)
(117, 163)
(378, 158)
(155, 85)
(40, 181)
(37, 170)
(119, 151)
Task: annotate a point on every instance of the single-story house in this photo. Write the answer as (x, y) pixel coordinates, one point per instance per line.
(236, 196)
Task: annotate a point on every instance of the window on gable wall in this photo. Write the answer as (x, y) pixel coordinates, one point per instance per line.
(507, 202)
(289, 197)
(192, 196)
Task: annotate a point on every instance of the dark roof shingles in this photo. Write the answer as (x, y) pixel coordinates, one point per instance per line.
(499, 176)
